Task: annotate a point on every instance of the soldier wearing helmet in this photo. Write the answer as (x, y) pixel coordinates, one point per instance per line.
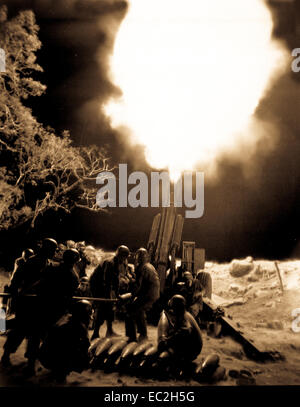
(83, 262)
(25, 281)
(57, 285)
(144, 294)
(19, 264)
(22, 260)
(104, 283)
(178, 332)
(192, 291)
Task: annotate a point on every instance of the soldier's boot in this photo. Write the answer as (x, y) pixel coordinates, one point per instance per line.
(142, 338)
(109, 331)
(5, 360)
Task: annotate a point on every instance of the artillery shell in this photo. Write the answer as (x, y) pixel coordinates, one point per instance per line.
(117, 348)
(103, 347)
(149, 357)
(94, 345)
(219, 374)
(128, 350)
(113, 354)
(210, 364)
(141, 349)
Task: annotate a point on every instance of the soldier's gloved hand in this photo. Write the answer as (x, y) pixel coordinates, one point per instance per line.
(123, 298)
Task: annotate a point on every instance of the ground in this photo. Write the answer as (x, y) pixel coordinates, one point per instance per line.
(254, 300)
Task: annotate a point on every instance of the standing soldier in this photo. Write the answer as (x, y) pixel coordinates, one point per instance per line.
(9, 304)
(144, 294)
(24, 282)
(56, 288)
(104, 283)
(83, 262)
(20, 261)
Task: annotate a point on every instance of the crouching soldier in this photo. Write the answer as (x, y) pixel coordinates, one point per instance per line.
(178, 332)
(145, 293)
(65, 348)
(191, 289)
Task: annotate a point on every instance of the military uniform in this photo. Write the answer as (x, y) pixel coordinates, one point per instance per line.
(145, 293)
(104, 283)
(58, 284)
(65, 348)
(193, 296)
(181, 336)
(25, 281)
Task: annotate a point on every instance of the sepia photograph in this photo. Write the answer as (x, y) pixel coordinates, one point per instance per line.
(150, 196)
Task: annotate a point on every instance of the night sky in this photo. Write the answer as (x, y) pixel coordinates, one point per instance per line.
(253, 210)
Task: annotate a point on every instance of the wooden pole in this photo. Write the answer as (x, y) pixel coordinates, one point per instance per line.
(95, 299)
(279, 276)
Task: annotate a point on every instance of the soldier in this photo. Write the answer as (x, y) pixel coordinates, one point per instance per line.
(191, 289)
(104, 283)
(65, 348)
(126, 279)
(56, 288)
(22, 260)
(145, 293)
(178, 332)
(19, 263)
(83, 262)
(24, 282)
(84, 287)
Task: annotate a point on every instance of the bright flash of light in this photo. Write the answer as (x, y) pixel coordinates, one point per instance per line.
(192, 73)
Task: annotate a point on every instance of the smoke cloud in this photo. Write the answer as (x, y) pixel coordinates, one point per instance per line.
(252, 201)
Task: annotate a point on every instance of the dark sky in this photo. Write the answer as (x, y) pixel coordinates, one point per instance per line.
(255, 214)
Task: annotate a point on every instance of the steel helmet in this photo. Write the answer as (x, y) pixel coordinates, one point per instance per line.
(141, 255)
(49, 247)
(177, 304)
(123, 251)
(27, 253)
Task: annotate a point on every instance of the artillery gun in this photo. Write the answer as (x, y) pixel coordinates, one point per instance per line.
(163, 245)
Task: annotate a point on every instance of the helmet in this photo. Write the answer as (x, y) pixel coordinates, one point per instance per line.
(80, 245)
(27, 253)
(177, 304)
(49, 247)
(141, 255)
(70, 243)
(71, 256)
(123, 251)
(187, 275)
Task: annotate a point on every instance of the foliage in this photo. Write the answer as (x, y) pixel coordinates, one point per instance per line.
(38, 169)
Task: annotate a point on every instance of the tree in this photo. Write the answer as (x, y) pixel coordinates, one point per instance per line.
(39, 170)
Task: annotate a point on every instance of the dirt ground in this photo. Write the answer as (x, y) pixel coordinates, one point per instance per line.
(256, 302)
